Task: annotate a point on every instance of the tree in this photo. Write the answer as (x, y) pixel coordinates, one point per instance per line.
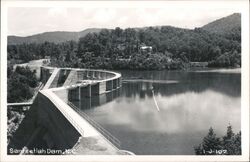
(209, 144)
(68, 58)
(118, 32)
(17, 90)
(185, 46)
(230, 144)
(27, 76)
(20, 84)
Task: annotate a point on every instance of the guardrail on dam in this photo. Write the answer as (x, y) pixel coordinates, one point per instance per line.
(52, 123)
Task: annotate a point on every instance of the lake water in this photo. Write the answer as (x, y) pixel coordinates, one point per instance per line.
(173, 120)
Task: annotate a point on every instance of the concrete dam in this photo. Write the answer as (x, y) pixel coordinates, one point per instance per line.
(53, 125)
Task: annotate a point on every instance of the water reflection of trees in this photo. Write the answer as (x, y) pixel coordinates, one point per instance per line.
(228, 84)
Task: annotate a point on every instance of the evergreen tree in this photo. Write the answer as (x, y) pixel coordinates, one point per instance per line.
(209, 145)
(230, 144)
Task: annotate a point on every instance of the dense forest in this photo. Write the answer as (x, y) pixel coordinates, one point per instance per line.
(170, 47)
(21, 83)
(228, 27)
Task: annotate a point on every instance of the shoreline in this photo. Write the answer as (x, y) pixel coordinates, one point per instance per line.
(207, 69)
(221, 70)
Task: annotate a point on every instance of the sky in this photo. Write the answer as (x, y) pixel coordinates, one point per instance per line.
(25, 21)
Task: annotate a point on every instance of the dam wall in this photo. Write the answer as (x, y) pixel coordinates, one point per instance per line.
(44, 127)
(51, 122)
(101, 81)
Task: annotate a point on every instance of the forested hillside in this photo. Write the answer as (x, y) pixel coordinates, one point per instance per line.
(21, 84)
(172, 48)
(229, 27)
(56, 37)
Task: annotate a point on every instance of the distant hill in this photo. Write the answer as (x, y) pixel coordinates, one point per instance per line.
(217, 43)
(229, 26)
(56, 37)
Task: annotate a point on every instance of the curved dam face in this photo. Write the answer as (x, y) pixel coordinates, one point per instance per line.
(51, 124)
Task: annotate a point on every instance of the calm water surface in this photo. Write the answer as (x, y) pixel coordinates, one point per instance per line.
(189, 103)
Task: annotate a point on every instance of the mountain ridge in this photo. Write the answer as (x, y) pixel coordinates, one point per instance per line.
(54, 36)
(229, 27)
